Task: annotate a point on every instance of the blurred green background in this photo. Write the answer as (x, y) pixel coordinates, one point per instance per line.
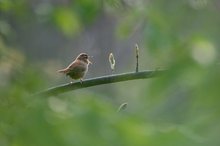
(181, 107)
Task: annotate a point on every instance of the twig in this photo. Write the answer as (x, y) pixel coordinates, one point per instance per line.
(99, 81)
(137, 55)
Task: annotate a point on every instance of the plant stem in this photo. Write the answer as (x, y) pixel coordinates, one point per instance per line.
(99, 81)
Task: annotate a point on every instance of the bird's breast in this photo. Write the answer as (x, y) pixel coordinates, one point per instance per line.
(78, 70)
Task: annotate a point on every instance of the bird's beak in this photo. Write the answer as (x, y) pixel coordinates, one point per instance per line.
(89, 60)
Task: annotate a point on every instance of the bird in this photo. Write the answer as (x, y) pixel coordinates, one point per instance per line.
(78, 68)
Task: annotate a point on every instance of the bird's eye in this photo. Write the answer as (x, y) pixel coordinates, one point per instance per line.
(84, 56)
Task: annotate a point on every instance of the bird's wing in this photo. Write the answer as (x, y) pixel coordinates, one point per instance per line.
(76, 66)
(72, 65)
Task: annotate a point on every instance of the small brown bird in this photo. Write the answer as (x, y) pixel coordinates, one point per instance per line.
(78, 68)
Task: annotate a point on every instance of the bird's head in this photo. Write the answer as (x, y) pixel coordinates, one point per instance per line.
(84, 57)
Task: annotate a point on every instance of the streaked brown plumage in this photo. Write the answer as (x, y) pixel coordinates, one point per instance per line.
(78, 68)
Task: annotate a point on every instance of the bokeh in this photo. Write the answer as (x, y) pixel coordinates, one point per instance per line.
(180, 107)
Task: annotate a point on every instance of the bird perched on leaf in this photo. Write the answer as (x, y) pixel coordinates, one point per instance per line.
(78, 68)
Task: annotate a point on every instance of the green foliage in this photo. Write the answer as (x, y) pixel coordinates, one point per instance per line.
(87, 10)
(179, 108)
(67, 20)
(15, 8)
(71, 19)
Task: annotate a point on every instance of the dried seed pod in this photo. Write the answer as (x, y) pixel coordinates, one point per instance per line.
(122, 106)
(112, 61)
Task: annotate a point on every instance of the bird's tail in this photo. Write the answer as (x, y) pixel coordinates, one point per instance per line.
(62, 71)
